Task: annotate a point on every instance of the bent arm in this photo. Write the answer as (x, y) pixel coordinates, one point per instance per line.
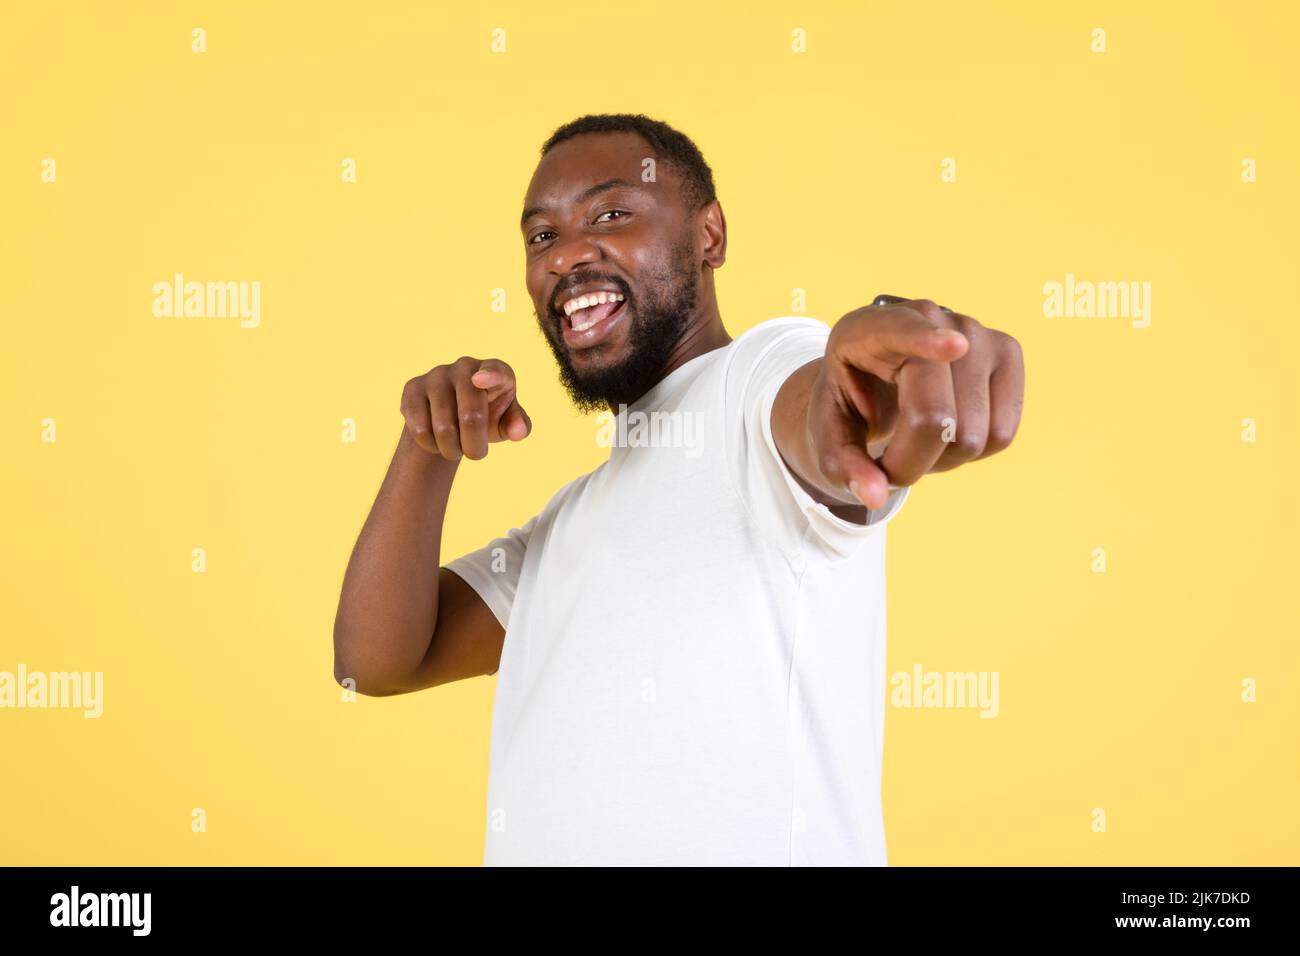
(404, 623)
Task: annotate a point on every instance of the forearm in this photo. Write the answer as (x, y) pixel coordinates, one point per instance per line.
(790, 431)
(794, 433)
(388, 608)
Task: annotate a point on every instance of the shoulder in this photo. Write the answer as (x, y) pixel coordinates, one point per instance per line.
(572, 492)
(778, 334)
(781, 327)
(776, 347)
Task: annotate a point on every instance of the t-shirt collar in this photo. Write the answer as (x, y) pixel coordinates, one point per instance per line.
(663, 388)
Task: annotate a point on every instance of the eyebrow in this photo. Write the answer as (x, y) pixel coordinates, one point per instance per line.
(583, 197)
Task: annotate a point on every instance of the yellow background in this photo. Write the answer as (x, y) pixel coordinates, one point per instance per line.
(1119, 690)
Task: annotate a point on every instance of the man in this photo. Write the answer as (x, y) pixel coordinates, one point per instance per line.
(691, 638)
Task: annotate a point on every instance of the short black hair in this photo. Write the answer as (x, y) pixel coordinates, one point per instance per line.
(671, 146)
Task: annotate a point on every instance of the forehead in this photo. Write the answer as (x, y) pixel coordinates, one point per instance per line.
(587, 160)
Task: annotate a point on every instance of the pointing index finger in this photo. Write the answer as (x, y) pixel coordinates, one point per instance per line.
(879, 342)
(493, 376)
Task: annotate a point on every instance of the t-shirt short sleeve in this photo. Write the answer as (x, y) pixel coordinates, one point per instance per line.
(763, 358)
(493, 570)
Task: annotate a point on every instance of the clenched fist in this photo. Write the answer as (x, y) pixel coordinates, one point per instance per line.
(458, 409)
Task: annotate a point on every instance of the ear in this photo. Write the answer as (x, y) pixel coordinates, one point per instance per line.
(713, 229)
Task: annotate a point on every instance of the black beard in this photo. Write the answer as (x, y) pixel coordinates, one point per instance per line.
(656, 324)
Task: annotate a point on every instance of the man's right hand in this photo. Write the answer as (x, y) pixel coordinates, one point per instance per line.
(458, 409)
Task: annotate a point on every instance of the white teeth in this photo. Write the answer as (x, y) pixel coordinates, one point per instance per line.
(587, 301)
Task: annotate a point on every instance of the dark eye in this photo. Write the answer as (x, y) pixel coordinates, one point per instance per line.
(608, 212)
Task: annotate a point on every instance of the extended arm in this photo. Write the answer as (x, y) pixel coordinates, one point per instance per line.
(903, 390)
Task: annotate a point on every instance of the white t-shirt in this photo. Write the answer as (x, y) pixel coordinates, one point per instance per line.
(694, 660)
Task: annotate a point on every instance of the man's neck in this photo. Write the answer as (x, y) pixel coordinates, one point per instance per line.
(699, 339)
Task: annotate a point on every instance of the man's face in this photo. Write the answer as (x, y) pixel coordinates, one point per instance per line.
(592, 225)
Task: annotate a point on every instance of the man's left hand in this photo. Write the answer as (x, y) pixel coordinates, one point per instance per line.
(932, 387)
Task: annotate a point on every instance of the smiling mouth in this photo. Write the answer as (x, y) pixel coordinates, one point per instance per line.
(587, 327)
(595, 308)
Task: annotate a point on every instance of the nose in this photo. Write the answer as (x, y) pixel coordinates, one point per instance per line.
(565, 255)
